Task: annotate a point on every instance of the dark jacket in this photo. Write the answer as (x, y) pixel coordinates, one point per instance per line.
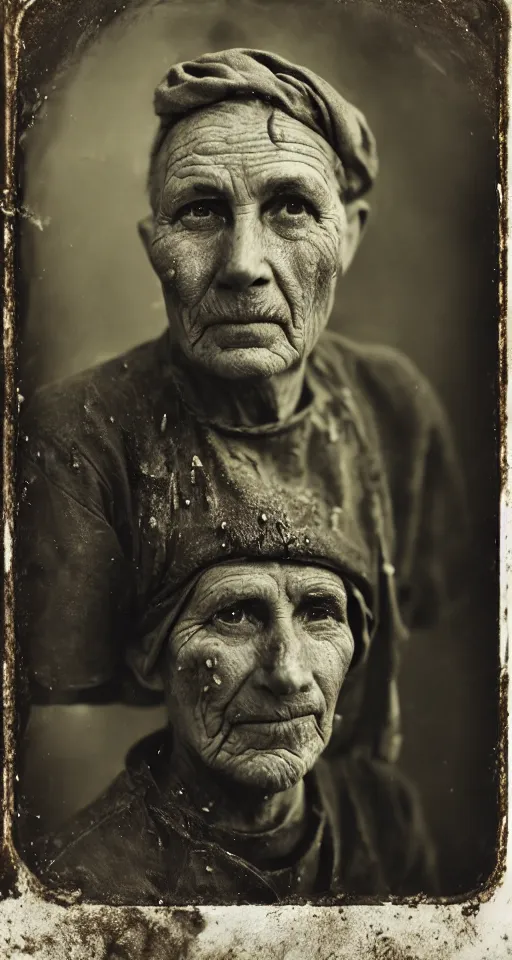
(126, 493)
(137, 845)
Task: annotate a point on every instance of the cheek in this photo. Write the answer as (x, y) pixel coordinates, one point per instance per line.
(185, 266)
(307, 269)
(332, 662)
(205, 676)
(324, 259)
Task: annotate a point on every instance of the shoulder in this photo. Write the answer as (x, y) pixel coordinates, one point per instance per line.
(103, 389)
(385, 811)
(383, 782)
(381, 785)
(109, 851)
(382, 373)
(83, 430)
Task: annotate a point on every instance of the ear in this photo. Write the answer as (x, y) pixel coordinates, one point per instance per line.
(155, 681)
(151, 679)
(145, 229)
(357, 212)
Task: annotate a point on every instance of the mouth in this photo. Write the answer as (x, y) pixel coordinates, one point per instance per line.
(277, 732)
(241, 316)
(267, 722)
(246, 319)
(245, 333)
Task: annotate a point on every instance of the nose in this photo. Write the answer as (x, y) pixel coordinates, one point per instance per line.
(284, 669)
(244, 265)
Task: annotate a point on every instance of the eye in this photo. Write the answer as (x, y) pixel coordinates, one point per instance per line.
(239, 614)
(231, 614)
(200, 209)
(294, 207)
(316, 609)
(201, 212)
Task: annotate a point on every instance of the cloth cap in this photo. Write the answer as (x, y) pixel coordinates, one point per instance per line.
(228, 74)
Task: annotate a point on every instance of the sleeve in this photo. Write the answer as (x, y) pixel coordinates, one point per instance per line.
(395, 830)
(387, 846)
(73, 579)
(426, 488)
(436, 573)
(418, 862)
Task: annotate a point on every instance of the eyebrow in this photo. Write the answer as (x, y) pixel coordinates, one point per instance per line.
(186, 192)
(324, 593)
(321, 591)
(273, 185)
(208, 188)
(230, 591)
(278, 184)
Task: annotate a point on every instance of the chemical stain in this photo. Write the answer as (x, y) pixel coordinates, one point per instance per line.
(196, 465)
(332, 429)
(287, 540)
(336, 513)
(129, 934)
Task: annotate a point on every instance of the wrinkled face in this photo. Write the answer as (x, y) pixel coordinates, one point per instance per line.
(255, 666)
(248, 238)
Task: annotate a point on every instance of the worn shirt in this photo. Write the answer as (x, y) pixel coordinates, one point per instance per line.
(139, 844)
(127, 492)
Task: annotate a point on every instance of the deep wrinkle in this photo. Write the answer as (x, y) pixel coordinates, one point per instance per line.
(252, 689)
(248, 275)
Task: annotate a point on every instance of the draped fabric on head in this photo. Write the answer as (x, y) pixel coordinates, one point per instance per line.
(368, 700)
(298, 92)
(143, 657)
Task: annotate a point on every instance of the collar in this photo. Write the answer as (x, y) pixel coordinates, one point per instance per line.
(145, 765)
(206, 396)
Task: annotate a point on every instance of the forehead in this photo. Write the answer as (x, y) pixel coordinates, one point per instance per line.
(229, 582)
(247, 140)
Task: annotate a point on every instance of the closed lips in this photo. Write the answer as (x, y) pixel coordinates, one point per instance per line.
(280, 718)
(247, 318)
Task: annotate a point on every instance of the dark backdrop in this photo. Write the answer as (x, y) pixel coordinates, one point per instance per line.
(425, 280)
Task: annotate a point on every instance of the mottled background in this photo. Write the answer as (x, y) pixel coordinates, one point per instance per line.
(425, 280)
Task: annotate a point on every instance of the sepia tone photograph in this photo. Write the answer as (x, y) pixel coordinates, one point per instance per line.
(256, 454)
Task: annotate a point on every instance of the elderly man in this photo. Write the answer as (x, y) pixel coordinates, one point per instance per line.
(235, 805)
(246, 432)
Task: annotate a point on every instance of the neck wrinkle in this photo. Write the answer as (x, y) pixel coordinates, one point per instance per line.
(230, 807)
(238, 403)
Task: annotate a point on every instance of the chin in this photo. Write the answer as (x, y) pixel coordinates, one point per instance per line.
(272, 771)
(244, 363)
(237, 351)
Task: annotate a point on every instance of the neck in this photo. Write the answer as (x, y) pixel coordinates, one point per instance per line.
(240, 403)
(230, 806)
